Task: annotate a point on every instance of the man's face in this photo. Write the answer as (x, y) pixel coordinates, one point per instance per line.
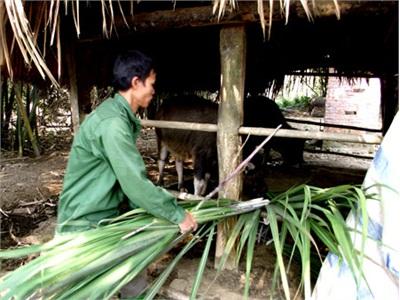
(145, 90)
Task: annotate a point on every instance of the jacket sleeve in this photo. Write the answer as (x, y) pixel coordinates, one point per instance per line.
(129, 168)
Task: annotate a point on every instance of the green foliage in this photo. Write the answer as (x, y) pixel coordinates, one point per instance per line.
(19, 100)
(45, 110)
(301, 102)
(97, 263)
(305, 214)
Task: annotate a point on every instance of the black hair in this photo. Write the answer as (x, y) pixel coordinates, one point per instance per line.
(128, 65)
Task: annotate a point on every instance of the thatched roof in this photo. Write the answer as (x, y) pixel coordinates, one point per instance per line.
(353, 37)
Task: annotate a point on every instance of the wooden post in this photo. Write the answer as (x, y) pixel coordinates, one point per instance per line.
(73, 91)
(230, 118)
(389, 100)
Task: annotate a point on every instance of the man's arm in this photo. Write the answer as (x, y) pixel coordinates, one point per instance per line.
(128, 166)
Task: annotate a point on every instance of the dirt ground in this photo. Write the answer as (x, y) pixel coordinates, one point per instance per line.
(30, 187)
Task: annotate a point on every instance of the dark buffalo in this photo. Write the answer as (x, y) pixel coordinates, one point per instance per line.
(261, 111)
(201, 146)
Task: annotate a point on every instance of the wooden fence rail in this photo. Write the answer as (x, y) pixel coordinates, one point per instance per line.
(365, 138)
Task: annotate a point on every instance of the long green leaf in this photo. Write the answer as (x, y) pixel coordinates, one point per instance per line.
(278, 248)
(113, 257)
(250, 251)
(202, 264)
(153, 290)
(97, 263)
(247, 230)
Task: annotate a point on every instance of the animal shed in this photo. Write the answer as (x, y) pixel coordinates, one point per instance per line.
(185, 44)
(192, 47)
(184, 36)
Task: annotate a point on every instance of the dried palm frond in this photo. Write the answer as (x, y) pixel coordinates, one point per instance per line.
(4, 51)
(13, 12)
(24, 37)
(75, 16)
(42, 16)
(284, 6)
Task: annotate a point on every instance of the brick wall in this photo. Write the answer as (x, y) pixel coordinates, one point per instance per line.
(355, 104)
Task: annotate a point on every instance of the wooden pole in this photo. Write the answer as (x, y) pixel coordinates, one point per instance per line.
(73, 91)
(230, 118)
(323, 124)
(365, 138)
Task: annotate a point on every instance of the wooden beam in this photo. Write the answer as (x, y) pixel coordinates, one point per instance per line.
(246, 12)
(367, 138)
(230, 118)
(323, 124)
(180, 125)
(186, 17)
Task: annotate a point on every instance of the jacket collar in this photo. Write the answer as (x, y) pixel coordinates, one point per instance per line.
(122, 102)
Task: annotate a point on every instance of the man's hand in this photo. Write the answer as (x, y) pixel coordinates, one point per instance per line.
(188, 224)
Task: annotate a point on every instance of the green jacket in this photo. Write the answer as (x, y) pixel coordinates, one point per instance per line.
(104, 167)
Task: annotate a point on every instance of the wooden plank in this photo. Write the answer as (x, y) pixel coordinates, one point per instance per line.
(230, 118)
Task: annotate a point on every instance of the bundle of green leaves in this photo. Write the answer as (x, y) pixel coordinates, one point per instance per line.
(95, 264)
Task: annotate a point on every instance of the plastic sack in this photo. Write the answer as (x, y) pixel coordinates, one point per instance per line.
(381, 265)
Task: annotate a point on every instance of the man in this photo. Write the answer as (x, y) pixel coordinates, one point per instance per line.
(105, 167)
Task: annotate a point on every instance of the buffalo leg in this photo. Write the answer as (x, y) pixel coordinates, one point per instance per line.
(201, 175)
(179, 171)
(161, 164)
